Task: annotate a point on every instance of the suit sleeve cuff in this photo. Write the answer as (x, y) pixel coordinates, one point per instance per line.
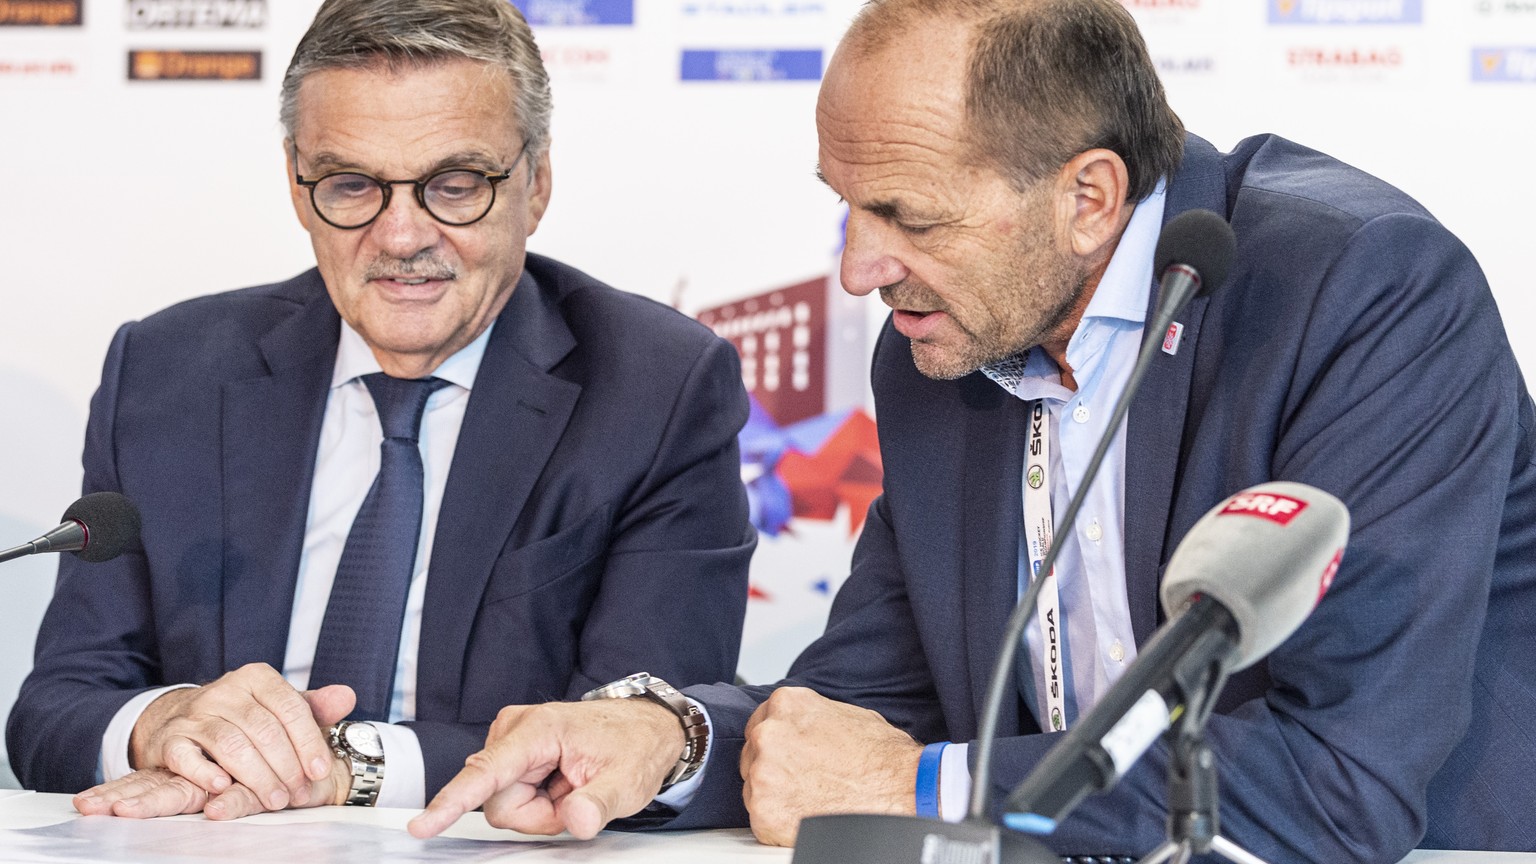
(114, 742)
(678, 796)
(405, 773)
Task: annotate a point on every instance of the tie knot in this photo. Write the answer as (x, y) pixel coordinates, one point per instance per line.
(400, 402)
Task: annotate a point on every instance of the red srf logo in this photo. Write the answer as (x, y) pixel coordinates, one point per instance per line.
(1329, 572)
(1279, 509)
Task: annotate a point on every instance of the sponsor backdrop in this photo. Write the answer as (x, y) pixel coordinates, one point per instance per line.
(141, 165)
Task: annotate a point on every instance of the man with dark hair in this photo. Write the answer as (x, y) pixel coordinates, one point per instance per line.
(433, 476)
(1008, 166)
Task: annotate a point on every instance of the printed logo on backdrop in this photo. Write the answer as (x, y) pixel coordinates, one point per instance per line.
(194, 65)
(37, 69)
(196, 14)
(751, 65)
(1344, 57)
(753, 8)
(589, 63)
(41, 13)
(1506, 7)
(1504, 64)
(577, 13)
(1346, 12)
(1161, 5)
(1194, 65)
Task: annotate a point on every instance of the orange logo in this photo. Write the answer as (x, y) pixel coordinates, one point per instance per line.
(194, 65)
(40, 13)
(1491, 61)
(1286, 7)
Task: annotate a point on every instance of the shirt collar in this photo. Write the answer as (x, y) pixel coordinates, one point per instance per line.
(354, 359)
(1121, 293)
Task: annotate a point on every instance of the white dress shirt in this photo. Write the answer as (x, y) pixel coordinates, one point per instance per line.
(345, 464)
(1091, 564)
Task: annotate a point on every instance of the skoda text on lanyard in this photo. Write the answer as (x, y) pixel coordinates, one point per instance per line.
(1037, 533)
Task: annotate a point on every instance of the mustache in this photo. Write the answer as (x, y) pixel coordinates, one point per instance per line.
(423, 266)
(908, 294)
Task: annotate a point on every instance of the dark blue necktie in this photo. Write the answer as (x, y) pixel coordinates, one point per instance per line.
(360, 636)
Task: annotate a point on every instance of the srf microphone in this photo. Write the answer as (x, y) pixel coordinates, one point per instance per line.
(1243, 579)
(98, 527)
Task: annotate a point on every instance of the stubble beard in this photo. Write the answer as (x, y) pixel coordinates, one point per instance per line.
(1035, 290)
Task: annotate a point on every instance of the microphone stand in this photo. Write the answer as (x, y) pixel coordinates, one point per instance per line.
(1194, 818)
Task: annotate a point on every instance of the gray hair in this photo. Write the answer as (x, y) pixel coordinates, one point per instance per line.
(1049, 79)
(405, 34)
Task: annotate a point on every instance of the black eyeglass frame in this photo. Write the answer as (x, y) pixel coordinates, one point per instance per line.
(419, 187)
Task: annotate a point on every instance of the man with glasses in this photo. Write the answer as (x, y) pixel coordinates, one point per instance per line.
(434, 476)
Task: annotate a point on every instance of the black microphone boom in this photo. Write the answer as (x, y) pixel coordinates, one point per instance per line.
(97, 527)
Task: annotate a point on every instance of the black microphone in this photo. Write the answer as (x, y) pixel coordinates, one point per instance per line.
(98, 527)
(1194, 253)
(1244, 578)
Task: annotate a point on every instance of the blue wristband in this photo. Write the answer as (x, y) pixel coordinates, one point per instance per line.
(928, 780)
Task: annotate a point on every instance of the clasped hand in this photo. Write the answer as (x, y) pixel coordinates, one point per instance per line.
(245, 743)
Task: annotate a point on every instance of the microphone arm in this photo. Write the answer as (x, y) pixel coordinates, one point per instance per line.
(67, 537)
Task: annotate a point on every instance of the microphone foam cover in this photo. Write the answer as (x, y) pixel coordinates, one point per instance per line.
(1267, 554)
(111, 522)
(1200, 240)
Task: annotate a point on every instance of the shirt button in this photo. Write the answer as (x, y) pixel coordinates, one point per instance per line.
(1094, 532)
(1117, 651)
(1080, 413)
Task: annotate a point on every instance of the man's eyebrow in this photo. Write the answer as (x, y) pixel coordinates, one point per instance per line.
(889, 210)
(324, 161)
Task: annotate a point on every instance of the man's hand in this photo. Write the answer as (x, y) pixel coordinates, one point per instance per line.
(151, 792)
(562, 766)
(806, 755)
(250, 729)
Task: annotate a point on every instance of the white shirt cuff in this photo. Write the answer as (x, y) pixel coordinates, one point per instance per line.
(680, 794)
(954, 782)
(114, 742)
(405, 773)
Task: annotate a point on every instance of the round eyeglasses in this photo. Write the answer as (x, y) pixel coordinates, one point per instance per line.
(452, 196)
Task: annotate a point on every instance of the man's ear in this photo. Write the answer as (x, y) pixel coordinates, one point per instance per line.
(298, 195)
(538, 193)
(1094, 185)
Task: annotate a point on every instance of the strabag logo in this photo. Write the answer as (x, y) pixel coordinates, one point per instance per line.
(196, 14)
(194, 65)
(1504, 64)
(577, 13)
(750, 65)
(1279, 509)
(1159, 5)
(1346, 12)
(41, 13)
(1344, 58)
(753, 8)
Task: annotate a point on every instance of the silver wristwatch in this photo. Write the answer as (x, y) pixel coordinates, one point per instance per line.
(359, 744)
(695, 726)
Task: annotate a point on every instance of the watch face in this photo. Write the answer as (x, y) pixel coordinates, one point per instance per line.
(364, 739)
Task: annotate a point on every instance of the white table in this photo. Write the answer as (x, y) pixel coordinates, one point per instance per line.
(44, 827)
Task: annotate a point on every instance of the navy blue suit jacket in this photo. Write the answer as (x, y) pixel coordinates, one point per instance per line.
(1356, 347)
(593, 525)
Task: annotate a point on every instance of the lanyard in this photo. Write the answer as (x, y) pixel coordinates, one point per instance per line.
(1037, 534)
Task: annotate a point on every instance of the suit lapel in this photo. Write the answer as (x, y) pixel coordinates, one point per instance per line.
(992, 510)
(269, 438)
(1156, 423)
(517, 412)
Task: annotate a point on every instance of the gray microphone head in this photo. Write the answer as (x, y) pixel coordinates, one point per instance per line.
(1267, 554)
(111, 524)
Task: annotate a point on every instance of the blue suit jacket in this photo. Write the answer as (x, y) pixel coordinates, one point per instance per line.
(593, 525)
(1356, 347)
